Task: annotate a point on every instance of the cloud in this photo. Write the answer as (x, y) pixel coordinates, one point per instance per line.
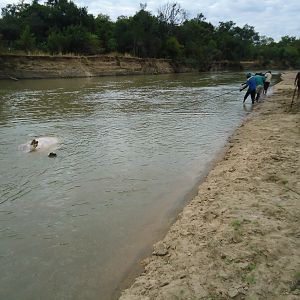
(273, 18)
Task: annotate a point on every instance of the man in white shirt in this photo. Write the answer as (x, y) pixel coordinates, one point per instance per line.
(268, 76)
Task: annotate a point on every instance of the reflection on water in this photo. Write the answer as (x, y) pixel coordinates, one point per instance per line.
(130, 149)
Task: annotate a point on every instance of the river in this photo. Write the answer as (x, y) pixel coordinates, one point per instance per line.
(129, 152)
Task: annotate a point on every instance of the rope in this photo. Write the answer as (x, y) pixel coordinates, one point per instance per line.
(179, 110)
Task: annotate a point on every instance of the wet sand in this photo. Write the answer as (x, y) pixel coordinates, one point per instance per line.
(239, 238)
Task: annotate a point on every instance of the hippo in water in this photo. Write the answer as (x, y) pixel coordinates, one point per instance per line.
(40, 144)
(52, 154)
(34, 143)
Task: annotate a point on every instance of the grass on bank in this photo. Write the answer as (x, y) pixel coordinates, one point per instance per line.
(60, 54)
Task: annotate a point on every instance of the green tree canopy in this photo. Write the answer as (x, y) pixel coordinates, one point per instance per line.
(60, 26)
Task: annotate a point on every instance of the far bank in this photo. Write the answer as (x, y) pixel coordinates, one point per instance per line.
(42, 67)
(17, 67)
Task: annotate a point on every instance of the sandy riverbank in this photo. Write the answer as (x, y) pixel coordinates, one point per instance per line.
(240, 237)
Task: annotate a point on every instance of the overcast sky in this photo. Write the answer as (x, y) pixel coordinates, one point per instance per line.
(273, 18)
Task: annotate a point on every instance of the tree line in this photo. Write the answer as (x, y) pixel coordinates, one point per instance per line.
(61, 27)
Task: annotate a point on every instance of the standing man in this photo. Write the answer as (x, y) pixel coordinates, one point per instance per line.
(251, 84)
(297, 82)
(260, 81)
(268, 76)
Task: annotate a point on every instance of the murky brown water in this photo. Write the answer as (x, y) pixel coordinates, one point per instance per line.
(129, 150)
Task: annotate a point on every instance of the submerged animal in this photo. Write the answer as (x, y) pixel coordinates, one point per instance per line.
(52, 154)
(40, 144)
(34, 143)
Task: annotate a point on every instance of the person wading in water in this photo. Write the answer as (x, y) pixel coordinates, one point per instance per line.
(251, 84)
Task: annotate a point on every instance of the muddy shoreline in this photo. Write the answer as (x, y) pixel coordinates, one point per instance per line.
(172, 216)
(239, 237)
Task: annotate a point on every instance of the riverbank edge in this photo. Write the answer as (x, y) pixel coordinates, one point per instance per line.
(238, 238)
(172, 215)
(16, 67)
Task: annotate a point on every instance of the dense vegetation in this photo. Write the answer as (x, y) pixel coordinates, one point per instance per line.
(60, 27)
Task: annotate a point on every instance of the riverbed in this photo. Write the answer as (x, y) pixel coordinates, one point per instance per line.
(130, 150)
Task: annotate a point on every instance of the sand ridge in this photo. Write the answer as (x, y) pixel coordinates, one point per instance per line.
(239, 238)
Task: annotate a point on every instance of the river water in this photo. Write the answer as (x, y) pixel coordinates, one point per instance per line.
(129, 150)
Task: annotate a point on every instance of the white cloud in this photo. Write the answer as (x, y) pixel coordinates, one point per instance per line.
(273, 18)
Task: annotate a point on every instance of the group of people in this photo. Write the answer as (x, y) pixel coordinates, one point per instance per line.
(257, 84)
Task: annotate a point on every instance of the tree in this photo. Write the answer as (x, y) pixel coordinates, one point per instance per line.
(172, 13)
(174, 48)
(60, 26)
(10, 24)
(56, 42)
(124, 35)
(144, 27)
(36, 16)
(14, 10)
(1, 42)
(27, 40)
(247, 34)
(230, 42)
(194, 34)
(170, 16)
(104, 29)
(264, 40)
(74, 39)
(64, 13)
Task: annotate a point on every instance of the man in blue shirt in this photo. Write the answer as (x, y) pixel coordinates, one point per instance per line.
(260, 80)
(251, 84)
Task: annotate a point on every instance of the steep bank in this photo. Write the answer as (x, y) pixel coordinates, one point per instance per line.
(239, 238)
(26, 67)
(43, 66)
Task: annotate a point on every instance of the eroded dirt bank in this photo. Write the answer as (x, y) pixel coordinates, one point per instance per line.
(240, 237)
(25, 67)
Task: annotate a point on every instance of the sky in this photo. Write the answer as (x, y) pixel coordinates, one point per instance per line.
(271, 18)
